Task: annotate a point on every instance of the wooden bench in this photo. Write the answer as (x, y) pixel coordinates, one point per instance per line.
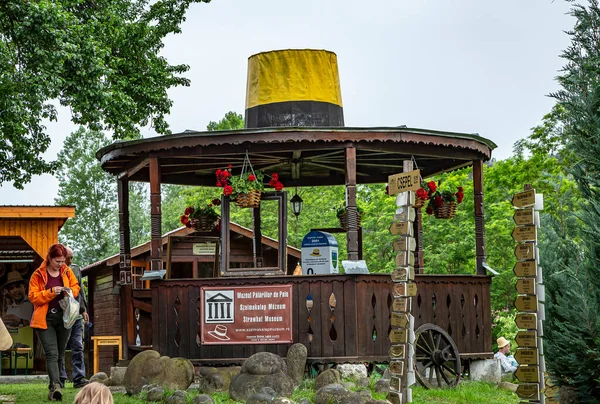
(106, 340)
(16, 353)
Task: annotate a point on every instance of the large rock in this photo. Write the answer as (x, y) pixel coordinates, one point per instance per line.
(326, 377)
(296, 362)
(337, 394)
(243, 385)
(203, 399)
(486, 370)
(148, 367)
(117, 375)
(264, 363)
(215, 379)
(100, 377)
(351, 371)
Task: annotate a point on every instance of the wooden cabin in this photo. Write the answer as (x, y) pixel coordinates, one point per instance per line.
(191, 255)
(26, 234)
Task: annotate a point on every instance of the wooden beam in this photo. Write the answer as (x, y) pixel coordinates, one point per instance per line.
(37, 212)
(351, 210)
(480, 253)
(136, 166)
(155, 216)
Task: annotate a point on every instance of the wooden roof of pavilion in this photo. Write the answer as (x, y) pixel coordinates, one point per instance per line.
(301, 156)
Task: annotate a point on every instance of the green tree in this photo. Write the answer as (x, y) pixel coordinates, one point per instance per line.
(100, 58)
(83, 184)
(231, 120)
(573, 348)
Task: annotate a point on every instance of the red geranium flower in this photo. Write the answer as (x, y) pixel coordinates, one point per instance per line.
(421, 193)
(278, 186)
(275, 176)
(184, 219)
(251, 177)
(189, 210)
(227, 190)
(432, 186)
(230, 166)
(429, 210)
(216, 202)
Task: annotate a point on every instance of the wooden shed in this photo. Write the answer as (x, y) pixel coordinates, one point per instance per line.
(26, 234)
(191, 256)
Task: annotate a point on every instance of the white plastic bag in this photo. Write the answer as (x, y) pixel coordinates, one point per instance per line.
(70, 307)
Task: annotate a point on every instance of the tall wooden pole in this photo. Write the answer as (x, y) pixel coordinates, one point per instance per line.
(125, 264)
(352, 211)
(480, 253)
(155, 217)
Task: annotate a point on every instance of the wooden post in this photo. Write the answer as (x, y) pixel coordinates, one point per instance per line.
(257, 240)
(155, 217)
(225, 234)
(480, 253)
(418, 231)
(124, 264)
(352, 211)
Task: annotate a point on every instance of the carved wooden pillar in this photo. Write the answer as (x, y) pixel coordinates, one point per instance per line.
(352, 211)
(125, 264)
(418, 232)
(480, 253)
(155, 217)
(257, 241)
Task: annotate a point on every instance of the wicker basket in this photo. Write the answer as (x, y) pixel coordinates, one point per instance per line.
(419, 203)
(344, 221)
(249, 200)
(204, 223)
(446, 211)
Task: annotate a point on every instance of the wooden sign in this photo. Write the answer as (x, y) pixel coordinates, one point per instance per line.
(524, 199)
(527, 356)
(406, 214)
(400, 304)
(526, 321)
(525, 251)
(524, 233)
(397, 351)
(524, 269)
(525, 286)
(528, 374)
(397, 367)
(523, 216)
(394, 397)
(406, 243)
(405, 289)
(526, 339)
(403, 274)
(398, 336)
(395, 383)
(529, 391)
(526, 303)
(404, 258)
(409, 181)
(399, 320)
(401, 228)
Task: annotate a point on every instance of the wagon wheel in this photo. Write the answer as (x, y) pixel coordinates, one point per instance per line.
(437, 361)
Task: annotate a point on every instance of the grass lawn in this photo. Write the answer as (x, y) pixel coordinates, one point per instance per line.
(467, 392)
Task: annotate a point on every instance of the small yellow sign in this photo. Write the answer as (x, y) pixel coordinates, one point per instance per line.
(526, 321)
(405, 243)
(403, 274)
(529, 391)
(526, 303)
(401, 228)
(525, 251)
(400, 304)
(409, 181)
(526, 339)
(525, 286)
(399, 320)
(524, 199)
(523, 216)
(528, 374)
(524, 233)
(524, 269)
(397, 351)
(527, 356)
(404, 258)
(399, 336)
(397, 367)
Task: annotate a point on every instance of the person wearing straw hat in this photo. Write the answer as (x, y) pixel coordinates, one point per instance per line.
(18, 313)
(509, 365)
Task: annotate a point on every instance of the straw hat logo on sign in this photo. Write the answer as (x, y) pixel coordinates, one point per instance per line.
(220, 332)
(316, 252)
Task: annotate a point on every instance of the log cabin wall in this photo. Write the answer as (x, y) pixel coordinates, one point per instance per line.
(346, 321)
(105, 313)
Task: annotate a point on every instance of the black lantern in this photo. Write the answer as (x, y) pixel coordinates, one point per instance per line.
(296, 202)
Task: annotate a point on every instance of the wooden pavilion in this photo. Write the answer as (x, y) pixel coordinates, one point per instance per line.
(340, 318)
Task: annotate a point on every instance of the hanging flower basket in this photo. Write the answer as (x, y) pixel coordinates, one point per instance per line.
(344, 221)
(249, 200)
(446, 211)
(419, 202)
(204, 223)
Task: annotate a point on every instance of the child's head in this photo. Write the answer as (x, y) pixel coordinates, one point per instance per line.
(94, 393)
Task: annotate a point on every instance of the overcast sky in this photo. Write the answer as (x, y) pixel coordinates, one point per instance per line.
(464, 65)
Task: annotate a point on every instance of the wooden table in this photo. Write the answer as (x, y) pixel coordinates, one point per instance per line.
(106, 340)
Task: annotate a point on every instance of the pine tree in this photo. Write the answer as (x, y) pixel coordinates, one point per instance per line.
(573, 294)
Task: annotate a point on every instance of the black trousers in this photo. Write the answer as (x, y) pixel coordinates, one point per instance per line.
(54, 340)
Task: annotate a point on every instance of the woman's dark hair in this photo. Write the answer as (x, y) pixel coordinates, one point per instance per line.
(56, 250)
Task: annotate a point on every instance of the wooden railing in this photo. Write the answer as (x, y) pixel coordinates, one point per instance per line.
(348, 320)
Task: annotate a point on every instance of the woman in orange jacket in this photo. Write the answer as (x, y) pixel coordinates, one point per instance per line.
(47, 286)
